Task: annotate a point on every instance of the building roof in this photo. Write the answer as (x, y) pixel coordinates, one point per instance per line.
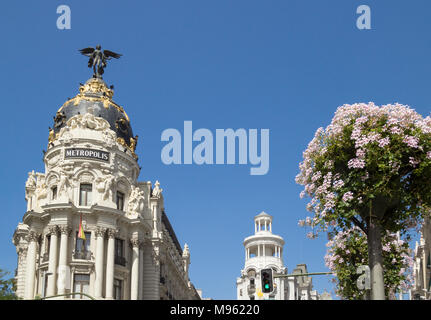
(96, 98)
(263, 214)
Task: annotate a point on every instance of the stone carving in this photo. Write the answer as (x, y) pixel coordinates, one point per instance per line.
(136, 202)
(64, 185)
(109, 137)
(186, 251)
(135, 242)
(30, 185)
(32, 236)
(112, 233)
(31, 180)
(104, 185)
(100, 232)
(53, 159)
(65, 229)
(41, 189)
(157, 191)
(89, 121)
(52, 229)
(155, 255)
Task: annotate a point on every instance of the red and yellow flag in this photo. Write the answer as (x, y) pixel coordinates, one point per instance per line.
(81, 233)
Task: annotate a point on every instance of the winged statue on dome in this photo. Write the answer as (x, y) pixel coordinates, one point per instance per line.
(98, 59)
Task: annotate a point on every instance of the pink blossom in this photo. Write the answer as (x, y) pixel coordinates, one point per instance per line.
(384, 142)
(356, 163)
(348, 196)
(412, 142)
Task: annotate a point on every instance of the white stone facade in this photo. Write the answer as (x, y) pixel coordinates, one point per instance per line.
(130, 251)
(422, 265)
(264, 250)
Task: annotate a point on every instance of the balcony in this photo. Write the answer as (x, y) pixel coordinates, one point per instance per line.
(120, 261)
(82, 255)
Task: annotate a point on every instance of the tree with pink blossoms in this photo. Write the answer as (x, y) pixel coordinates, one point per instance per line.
(349, 249)
(370, 168)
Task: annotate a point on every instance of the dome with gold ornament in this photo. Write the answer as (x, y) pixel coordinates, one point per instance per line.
(95, 97)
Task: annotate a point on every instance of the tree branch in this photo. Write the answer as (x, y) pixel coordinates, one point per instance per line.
(360, 225)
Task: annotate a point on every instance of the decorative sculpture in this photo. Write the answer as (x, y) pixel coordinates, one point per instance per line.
(157, 191)
(104, 185)
(136, 201)
(98, 59)
(63, 184)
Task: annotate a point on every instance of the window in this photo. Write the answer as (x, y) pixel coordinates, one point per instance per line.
(81, 284)
(45, 256)
(82, 247)
(120, 200)
(54, 192)
(85, 195)
(119, 252)
(118, 288)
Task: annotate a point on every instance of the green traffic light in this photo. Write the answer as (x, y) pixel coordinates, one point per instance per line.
(266, 286)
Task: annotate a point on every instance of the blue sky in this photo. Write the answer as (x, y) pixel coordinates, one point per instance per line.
(281, 65)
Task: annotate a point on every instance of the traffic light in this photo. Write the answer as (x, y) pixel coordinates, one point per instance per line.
(266, 276)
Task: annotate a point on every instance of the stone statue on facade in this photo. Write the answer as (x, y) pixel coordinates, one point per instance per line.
(136, 201)
(157, 191)
(31, 181)
(41, 191)
(104, 185)
(63, 185)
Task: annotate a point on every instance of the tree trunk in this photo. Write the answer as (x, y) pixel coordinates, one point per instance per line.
(375, 259)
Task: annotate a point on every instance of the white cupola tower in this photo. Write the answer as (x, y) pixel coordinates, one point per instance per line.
(262, 250)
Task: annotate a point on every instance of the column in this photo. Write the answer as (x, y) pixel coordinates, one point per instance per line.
(31, 265)
(263, 249)
(52, 266)
(110, 263)
(63, 273)
(255, 227)
(265, 226)
(134, 285)
(100, 239)
(141, 273)
(258, 250)
(270, 226)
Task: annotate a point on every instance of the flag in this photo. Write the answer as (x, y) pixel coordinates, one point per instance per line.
(81, 233)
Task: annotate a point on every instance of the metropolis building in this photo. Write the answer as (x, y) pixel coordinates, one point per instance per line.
(264, 250)
(130, 250)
